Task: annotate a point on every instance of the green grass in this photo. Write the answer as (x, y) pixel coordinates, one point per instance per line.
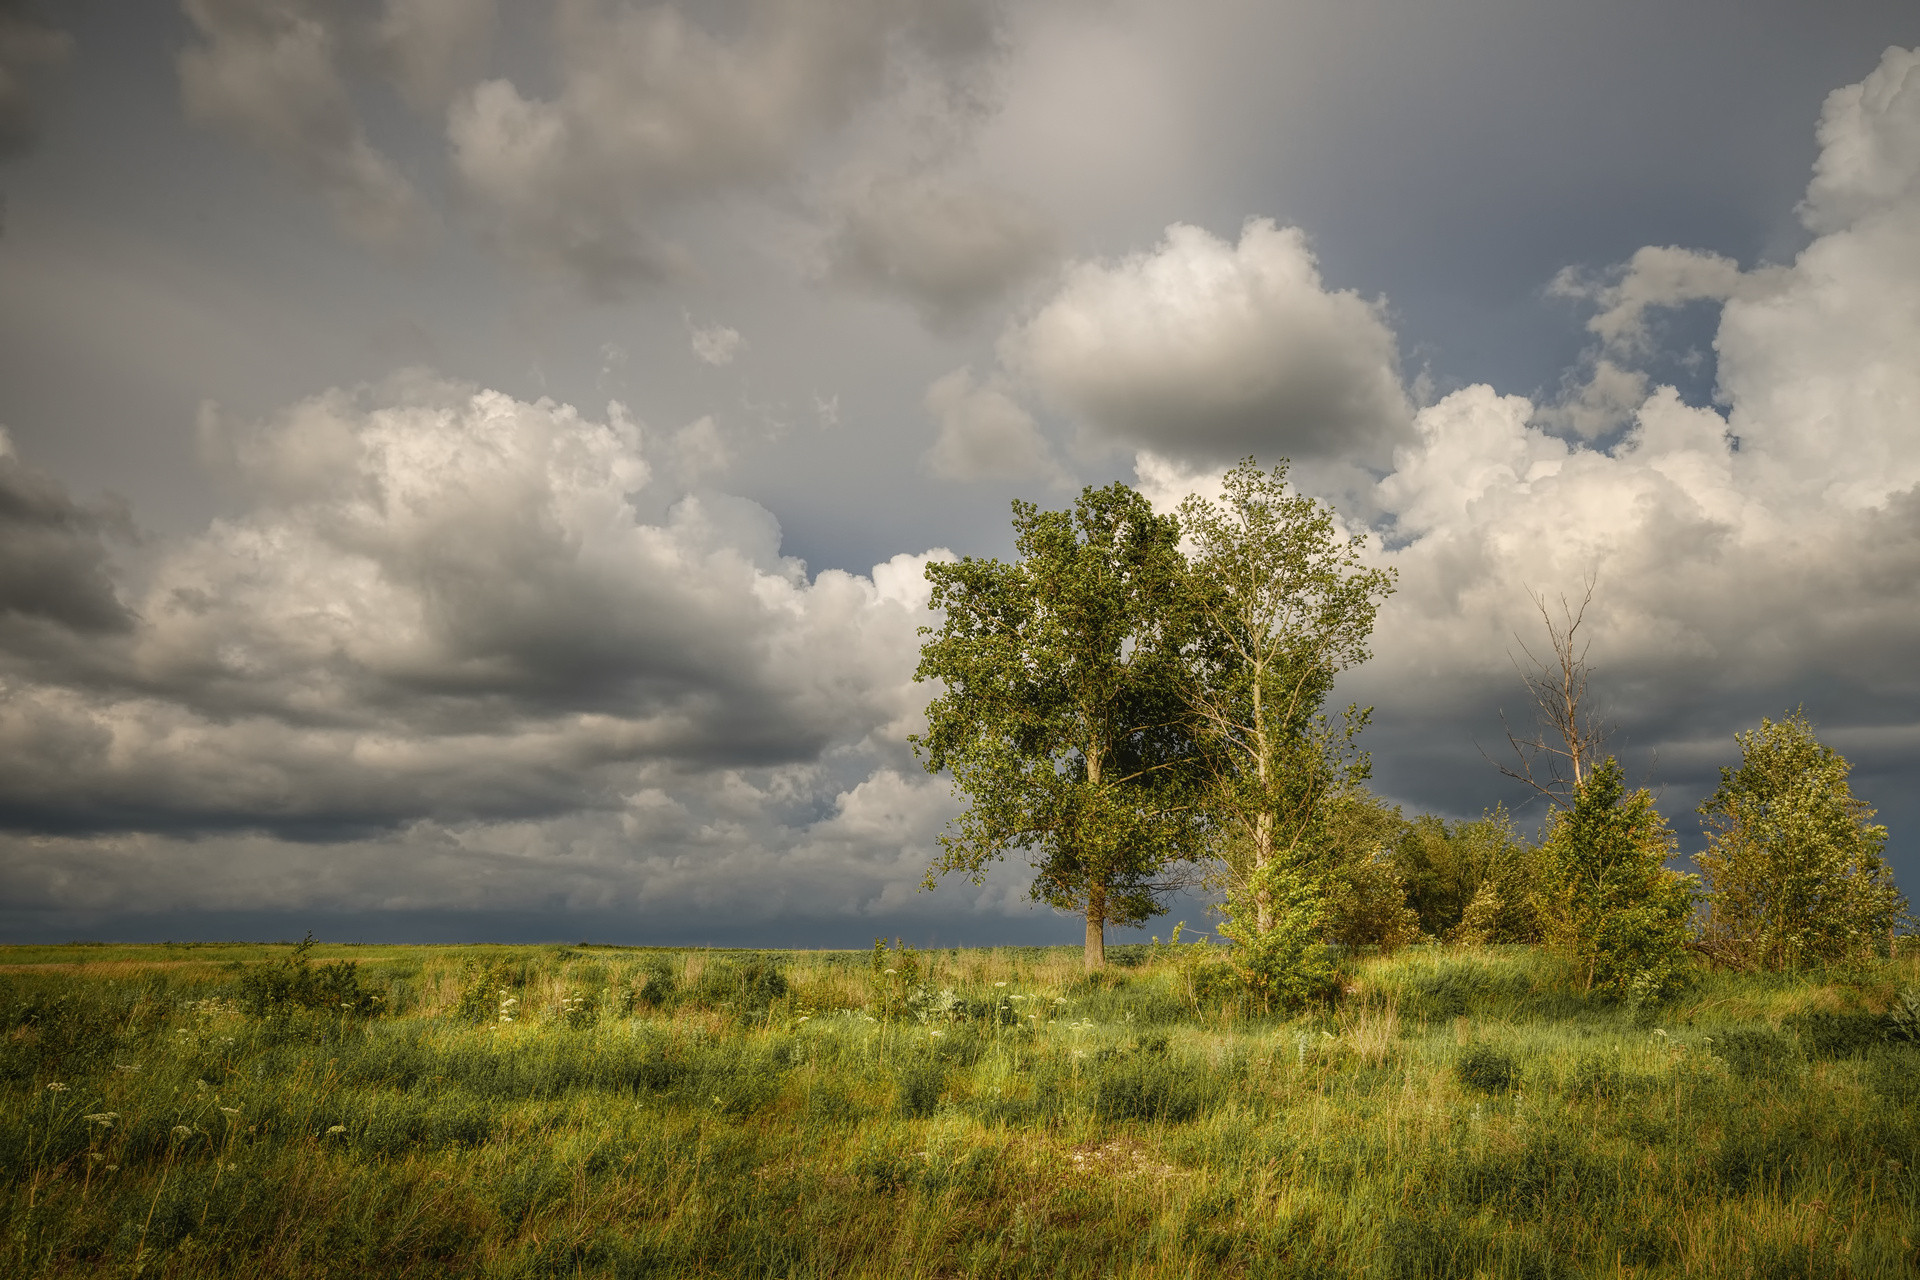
(534, 1112)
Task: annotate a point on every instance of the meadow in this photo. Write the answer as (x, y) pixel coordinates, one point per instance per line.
(208, 1111)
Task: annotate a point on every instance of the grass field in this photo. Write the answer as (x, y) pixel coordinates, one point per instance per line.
(565, 1111)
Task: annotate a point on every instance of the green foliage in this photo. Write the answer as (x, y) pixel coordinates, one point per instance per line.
(1059, 716)
(1366, 899)
(1285, 966)
(1469, 882)
(1280, 605)
(295, 982)
(1793, 866)
(1610, 903)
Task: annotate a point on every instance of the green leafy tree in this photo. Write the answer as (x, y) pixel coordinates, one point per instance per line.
(1470, 882)
(1793, 864)
(1060, 717)
(1366, 899)
(1280, 605)
(1608, 899)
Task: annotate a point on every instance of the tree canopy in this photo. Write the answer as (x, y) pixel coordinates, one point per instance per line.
(1793, 862)
(1060, 715)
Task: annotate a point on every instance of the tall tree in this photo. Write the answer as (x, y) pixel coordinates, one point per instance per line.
(1060, 717)
(1793, 864)
(1281, 605)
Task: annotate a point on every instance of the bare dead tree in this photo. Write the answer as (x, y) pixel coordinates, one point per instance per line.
(1567, 736)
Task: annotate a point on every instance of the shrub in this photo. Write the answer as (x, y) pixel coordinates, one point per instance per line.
(920, 1083)
(1488, 1070)
(282, 986)
(1613, 907)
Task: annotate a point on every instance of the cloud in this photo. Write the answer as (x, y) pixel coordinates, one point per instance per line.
(267, 72)
(28, 45)
(434, 48)
(716, 344)
(653, 109)
(1653, 277)
(984, 433)
(1869, 161)
(1207, 351)
(1746, 561)
(948, 249)
(54, 566)
(443, 606)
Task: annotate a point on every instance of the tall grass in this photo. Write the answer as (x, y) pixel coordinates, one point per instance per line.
(532, 1112)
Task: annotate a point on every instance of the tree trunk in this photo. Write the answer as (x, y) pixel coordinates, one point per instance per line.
(1263, 824)
(1096, 928)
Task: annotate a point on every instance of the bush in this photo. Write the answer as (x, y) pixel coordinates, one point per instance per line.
(296, 983)
(1487, 1069)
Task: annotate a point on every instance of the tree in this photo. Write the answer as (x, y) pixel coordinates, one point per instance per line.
(1567, 737)
(1060, 716)
(1471, 882)
(1281, 604)
(1793, 863)
(1609, 900)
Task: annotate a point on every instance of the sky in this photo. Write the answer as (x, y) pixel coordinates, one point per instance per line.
(468, 469)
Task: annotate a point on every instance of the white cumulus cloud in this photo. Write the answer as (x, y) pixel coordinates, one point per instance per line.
(1208, 351)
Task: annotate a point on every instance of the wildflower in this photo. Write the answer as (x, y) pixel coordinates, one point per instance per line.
(999, 984)
(936, 1034)
(232, 1111)
(56, 1087)
(335, 1128)
(182, 1131)
(104, 1119)
(1059, 999)
(888, 971)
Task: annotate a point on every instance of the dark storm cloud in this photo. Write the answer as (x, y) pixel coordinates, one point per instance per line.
(54, 565)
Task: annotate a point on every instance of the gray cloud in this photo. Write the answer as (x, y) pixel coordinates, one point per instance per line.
(29, 45)
(432, 49)
(948, 249)
(1205, 351)
(443, 605)
(654, 108)
(985, 433)
(54, 566)
(269, 72)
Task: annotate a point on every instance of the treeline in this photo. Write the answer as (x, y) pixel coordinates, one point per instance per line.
(1137, 704)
